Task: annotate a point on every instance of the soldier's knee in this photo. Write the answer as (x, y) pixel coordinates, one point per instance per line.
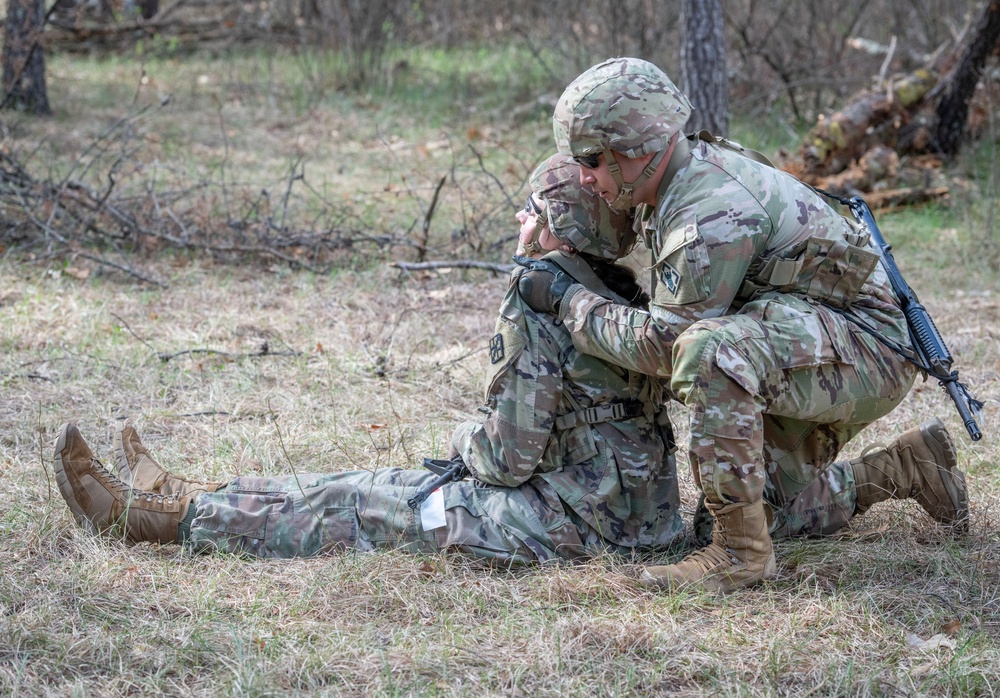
(707, 354)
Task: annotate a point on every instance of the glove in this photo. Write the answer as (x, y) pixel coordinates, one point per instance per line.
(543, 285)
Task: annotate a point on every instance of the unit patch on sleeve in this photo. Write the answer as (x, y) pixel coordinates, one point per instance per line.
(505, 348)
(670, 277)
(496, 348)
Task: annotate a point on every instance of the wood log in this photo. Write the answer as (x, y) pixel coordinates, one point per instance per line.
(923, 112)
(872, 117)
(895, 198)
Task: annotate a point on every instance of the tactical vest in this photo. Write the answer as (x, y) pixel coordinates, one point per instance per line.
(831, 271)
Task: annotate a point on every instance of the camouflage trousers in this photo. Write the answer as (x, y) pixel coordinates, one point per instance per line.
(315, 514)
(775, 393)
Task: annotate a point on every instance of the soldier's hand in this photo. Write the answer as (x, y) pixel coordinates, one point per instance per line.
(543, 285)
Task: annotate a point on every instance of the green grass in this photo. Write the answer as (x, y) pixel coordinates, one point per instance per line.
(768, 136)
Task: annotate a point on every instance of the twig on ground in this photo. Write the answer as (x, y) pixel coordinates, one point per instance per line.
(425, 229)
(164, 357)
(458, 264)
(125, 324)
(207, 413)
(492, 176)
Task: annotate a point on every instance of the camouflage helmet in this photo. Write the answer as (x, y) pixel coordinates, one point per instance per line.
(627, 105)
(577, 216)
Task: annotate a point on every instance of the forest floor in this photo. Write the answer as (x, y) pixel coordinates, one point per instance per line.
(265, 369)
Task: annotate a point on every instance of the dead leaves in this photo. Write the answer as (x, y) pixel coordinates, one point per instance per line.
(942, 640)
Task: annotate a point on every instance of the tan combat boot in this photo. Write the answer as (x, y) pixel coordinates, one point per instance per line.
(921, 464)
(136, 467)
(740, 554)
(103, 504)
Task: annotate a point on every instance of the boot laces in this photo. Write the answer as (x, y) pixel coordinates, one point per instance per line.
(109, 480)
(127, 491)
(712, 558)
(871, 448)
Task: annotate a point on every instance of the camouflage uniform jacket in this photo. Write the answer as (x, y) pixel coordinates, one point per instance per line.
(617, 474)
(728, 230)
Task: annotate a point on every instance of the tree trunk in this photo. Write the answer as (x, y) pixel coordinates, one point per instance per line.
(953, 108)
(23, 59)
(703, 65)
(148, 8)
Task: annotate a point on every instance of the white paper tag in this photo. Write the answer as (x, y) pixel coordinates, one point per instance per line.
(432, 511)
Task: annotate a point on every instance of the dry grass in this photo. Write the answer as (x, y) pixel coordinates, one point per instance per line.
(374, 368)
(371, 386)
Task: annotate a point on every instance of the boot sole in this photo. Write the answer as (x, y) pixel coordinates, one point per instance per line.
(62, 479)
(122, 465)
(718, 582)
(938, 439)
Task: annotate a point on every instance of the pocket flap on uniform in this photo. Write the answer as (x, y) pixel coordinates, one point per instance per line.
(504, 348)
(682, 266)
(782, 272)
(578, 445)
(678, 237)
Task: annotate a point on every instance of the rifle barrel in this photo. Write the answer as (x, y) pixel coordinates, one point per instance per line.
(928, 342)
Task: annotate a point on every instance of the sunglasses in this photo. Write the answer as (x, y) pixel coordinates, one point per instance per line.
(531, 207)
(588, 161)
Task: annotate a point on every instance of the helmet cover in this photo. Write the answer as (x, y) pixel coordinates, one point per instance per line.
(627, 105)
(577, 216)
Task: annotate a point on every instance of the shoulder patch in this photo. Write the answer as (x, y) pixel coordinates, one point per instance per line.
(496, 348)
(670, 277)
(505, 347)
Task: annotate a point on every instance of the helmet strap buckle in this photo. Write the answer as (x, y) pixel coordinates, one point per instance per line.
(622, 202)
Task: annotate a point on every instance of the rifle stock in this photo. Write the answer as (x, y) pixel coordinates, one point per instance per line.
(447, 471)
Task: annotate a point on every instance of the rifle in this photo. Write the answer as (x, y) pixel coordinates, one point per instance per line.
(447, 471)
(932, 353)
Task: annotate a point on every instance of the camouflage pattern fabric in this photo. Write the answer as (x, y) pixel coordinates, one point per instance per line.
(760, 289)
(541, 492)
(576, 215)
(647, 110)
(619, 475)
(284, 517)
(822, 507)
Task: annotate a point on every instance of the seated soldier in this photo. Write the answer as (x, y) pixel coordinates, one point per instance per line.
(575, 457)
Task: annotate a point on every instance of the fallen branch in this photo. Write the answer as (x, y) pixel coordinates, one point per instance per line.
(113, 204)
(49, 230)
(426, 228)
(73, 218)
(264, 351)
(923, 112)
(872, 118)
(458, 264)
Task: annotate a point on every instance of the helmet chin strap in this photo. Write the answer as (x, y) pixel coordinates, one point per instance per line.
(623, 202)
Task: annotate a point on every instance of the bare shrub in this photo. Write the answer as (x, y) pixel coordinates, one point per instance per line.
(117, 206)
(811, 54)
